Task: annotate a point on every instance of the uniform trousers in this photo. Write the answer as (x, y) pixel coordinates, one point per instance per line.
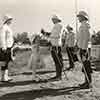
(58, 60)
(5, 56)
(70, 56)
(87, 65)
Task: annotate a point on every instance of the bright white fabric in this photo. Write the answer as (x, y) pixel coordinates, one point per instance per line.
(6, 37)
(83, 35)
(55, 36)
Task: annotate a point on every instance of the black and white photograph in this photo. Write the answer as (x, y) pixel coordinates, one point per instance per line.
(49, 50)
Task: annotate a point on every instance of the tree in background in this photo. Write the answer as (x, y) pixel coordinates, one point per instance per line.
(22, 38)
(96, 38)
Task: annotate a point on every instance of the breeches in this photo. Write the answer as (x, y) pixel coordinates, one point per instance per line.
(5, 56)
(87, 64)
(57, 57)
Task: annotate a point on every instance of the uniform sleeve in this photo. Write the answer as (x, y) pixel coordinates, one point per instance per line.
(91, 32)
(73, 37)
(3, 39)
(62, 35)
(90, 38)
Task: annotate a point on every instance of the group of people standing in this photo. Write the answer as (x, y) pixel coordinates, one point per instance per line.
(64, 36)
(60, 36)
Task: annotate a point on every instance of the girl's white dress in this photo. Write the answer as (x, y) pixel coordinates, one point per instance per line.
(35, 60)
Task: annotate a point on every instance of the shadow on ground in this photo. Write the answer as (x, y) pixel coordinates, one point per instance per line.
(27, 82)
(33, 94)
(39, 72)
(21, 83)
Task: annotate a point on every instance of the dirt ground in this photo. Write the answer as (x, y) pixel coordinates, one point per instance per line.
(23, 88)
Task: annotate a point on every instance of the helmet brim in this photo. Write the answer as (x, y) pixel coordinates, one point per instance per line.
(56, 19)
(8, 20)
(82, 16)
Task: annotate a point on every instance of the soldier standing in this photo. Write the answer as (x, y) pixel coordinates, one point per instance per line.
(69, 42)
(6, 43)
(55, 39)
(83, 37)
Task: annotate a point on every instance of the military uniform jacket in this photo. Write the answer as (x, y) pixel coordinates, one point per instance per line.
(56, 35)
(83, 35)
(6, 37)
(70, 39)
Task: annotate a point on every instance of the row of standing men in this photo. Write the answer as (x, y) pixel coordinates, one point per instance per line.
(59, 35)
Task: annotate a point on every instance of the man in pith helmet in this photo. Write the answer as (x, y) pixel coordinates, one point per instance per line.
(69, 41)
(6, 43)
(56, 42)
(83, 36)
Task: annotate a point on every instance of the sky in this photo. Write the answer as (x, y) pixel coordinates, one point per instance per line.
(32, 15)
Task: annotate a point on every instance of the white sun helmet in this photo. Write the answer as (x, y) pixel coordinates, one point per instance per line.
(6, 18)
(84, 14)
(56, 18)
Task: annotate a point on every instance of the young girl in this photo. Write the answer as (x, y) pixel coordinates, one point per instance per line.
(35, 57)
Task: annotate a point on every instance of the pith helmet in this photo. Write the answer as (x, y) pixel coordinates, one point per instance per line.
(6, 18)
(83, 14)
(56, 18)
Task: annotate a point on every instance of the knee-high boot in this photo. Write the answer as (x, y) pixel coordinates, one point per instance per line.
(4, 76)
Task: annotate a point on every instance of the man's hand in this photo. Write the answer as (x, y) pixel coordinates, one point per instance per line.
(75, 43)
(4, 49)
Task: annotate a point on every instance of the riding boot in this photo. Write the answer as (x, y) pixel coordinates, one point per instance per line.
(6, 78)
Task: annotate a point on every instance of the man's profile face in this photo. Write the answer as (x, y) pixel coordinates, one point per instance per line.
(54, 21)
(9, 22)
(80, 19)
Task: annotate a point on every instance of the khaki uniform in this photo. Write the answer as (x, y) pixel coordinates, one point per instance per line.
(6, 42)
(83, 39)
(69, 42)
(83, 35)
(70, 38)
(6, 37)
(55, 35)
(56, 54)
